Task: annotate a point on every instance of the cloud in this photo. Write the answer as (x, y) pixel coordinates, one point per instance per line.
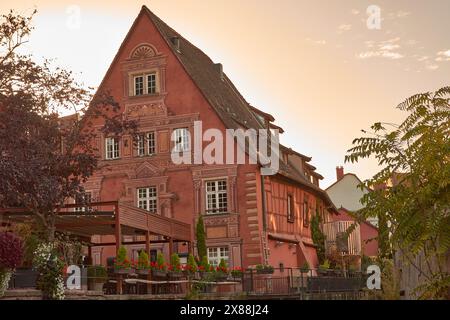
(431, 66)
(355, 11)
(344, 27)
(317, 42)
(389, 47)
(443, 56)
(423, 58)
(384, 49)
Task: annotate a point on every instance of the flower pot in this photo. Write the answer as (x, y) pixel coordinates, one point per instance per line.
(123, 271)
(175, 275)
(159, 273)
(221, 276)
(142, 271)
(97, 286)
(264, 271)
(205, 275)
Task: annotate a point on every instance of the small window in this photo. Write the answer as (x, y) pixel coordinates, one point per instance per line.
(146, 144)
(216, 254)
(138, 85)
(290, 208)
(147, 199)
(151, 83)
(112, 148)
(151, 143)
(84, 200)
(141, 145)
(181, 138)
(306, 212)
(216, 197)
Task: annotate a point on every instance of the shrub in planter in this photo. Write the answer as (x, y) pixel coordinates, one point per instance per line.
(304, 268)
(237, 272)
(221, 271)
(191, 267)
(175, 266)
(159, 267)
(143, 264)
(97, 276)
(205, 269)
(11, 253)
(122, 264)
(324, 267)
(266, 269)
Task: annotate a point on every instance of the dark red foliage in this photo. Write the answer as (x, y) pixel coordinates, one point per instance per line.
(11, 250)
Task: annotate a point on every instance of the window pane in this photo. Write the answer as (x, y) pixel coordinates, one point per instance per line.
(151, 83)
(138, 85)
(151, 142)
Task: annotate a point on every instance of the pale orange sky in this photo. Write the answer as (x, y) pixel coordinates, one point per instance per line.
(314, 65)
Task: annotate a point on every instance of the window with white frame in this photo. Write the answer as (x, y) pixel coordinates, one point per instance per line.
(215, 254)
(148, 199)
(181, 139)
(112, 148)
(216, 197)
(146, 144)
(145, 84)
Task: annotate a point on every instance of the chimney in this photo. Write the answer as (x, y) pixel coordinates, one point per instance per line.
(176, 43)
(339, 173)
(219, 68)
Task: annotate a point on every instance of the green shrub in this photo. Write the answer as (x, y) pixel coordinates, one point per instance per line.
(97, 274)
(143, 261)
(201, 238)
(175, 262)
(160, 261)
(191, 264)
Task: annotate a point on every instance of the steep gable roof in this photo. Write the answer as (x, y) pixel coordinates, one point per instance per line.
(216, 87)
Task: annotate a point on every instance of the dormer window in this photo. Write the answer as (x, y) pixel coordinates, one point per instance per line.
(145, 83)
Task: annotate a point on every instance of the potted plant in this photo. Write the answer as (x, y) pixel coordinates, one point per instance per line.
(159, 267)
(304, 268)
(121, 264)
(221, 273)
(264, 269)
(323, 268)
(175, 266)
(191, 268)
(11, 252)
(97, 276)
(237, 272)
(205, 269)
(143, 264)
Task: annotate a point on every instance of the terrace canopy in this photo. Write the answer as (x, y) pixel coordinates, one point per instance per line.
(109, 218)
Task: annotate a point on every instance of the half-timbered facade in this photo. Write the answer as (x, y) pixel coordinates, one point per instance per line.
(166, 84)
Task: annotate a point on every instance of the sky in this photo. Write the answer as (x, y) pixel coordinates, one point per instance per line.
(325, 69)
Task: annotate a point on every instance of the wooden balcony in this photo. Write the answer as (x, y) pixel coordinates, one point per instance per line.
(107, 218)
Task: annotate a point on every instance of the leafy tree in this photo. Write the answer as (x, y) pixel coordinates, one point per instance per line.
(44, 158)
(411, 193)
(201, 238)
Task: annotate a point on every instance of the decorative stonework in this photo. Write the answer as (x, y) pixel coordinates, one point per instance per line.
(143, 52)
(146, 110)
